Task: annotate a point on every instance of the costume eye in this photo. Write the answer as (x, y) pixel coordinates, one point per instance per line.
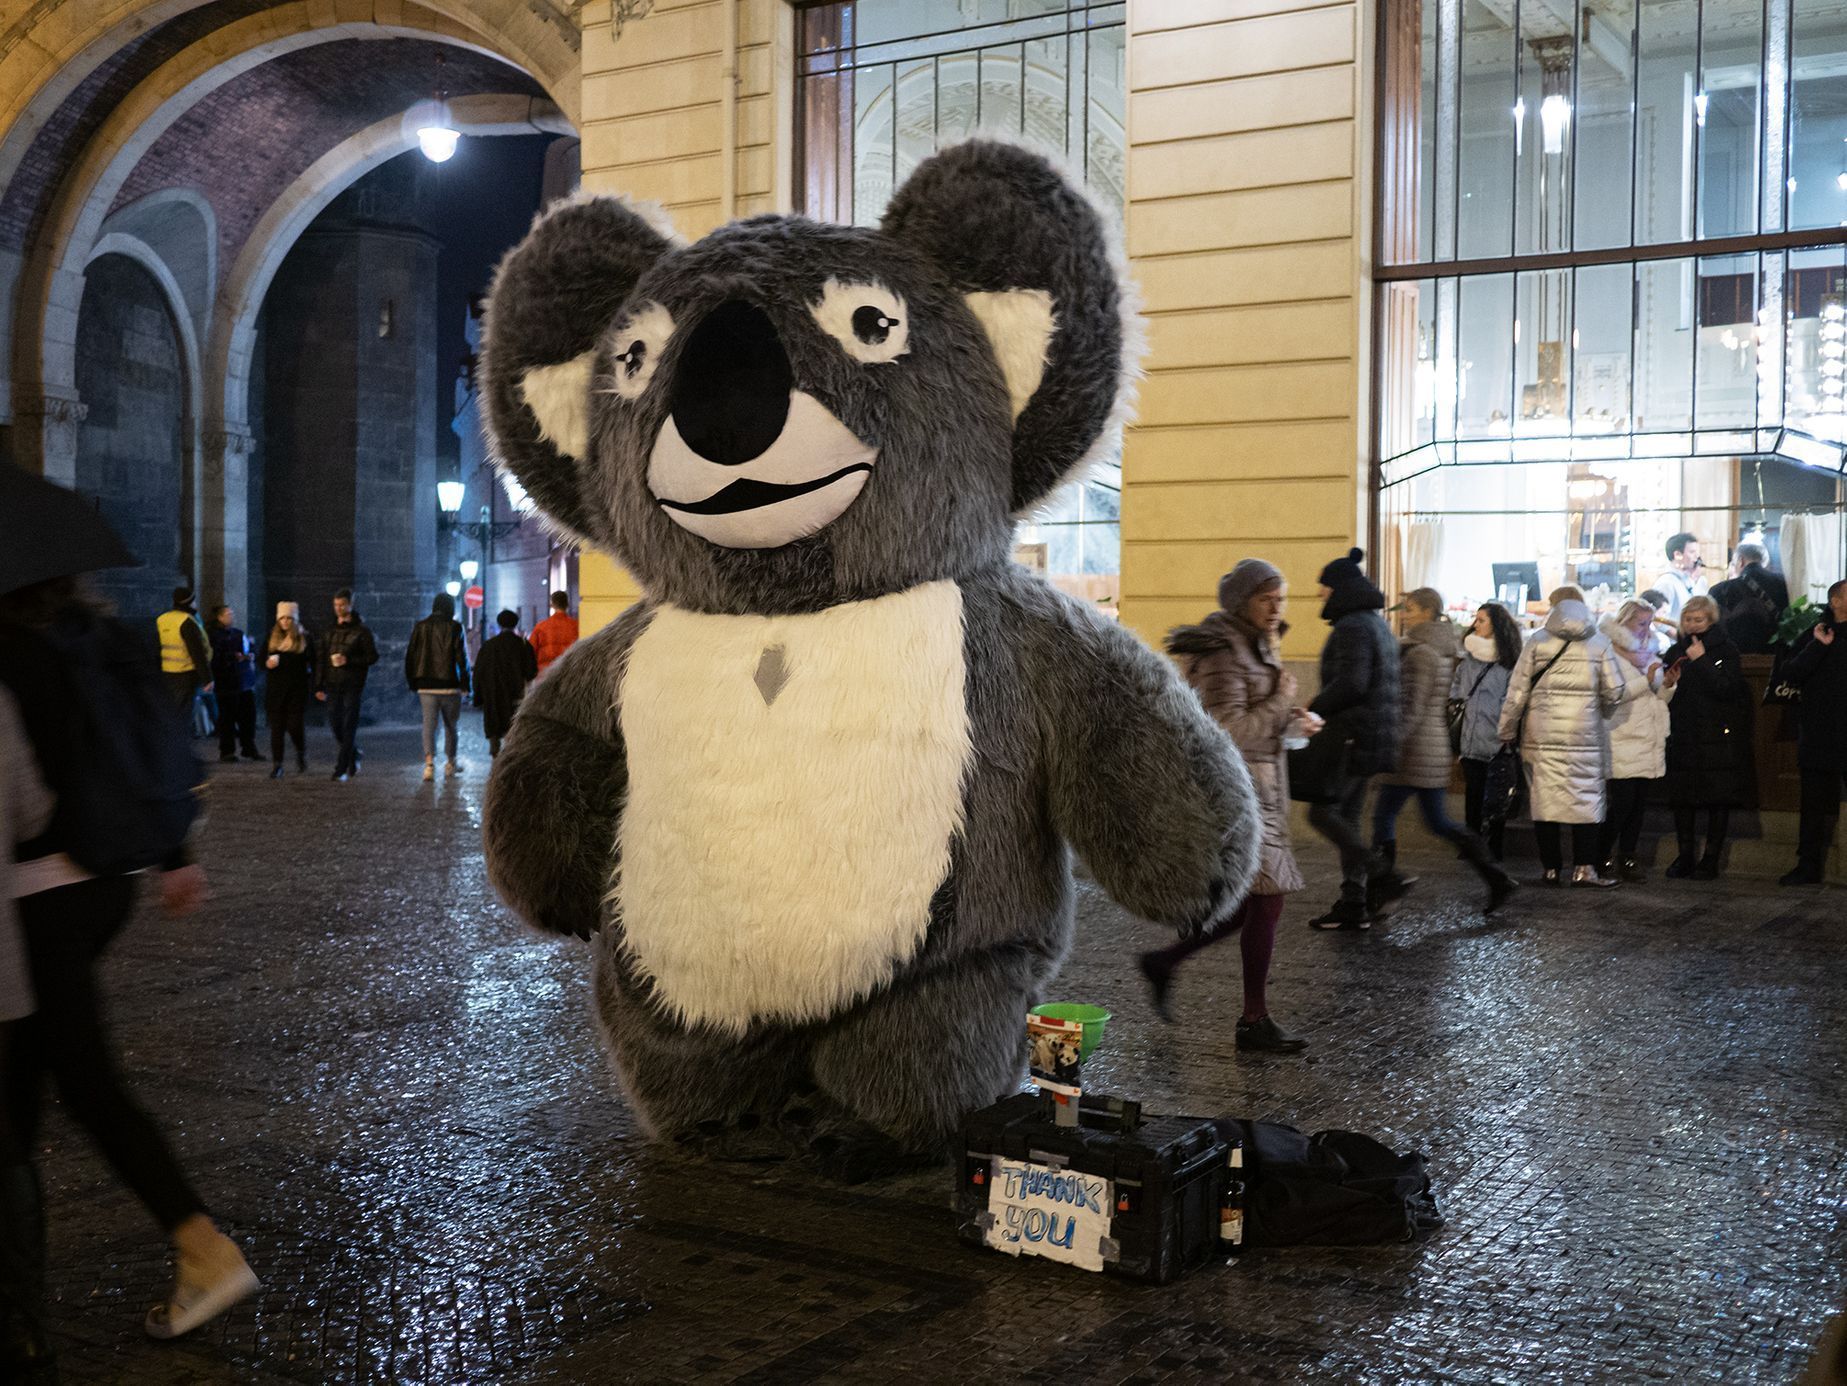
(635, 350)
(868, 320)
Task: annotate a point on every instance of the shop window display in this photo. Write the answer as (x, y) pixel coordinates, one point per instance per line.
(1599, 325)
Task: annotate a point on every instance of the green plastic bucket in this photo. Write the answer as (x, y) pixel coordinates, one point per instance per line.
(1094, 1018)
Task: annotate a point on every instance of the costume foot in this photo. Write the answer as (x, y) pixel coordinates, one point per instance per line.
(1160, 980)
(203, 1288)
(1269, 1037)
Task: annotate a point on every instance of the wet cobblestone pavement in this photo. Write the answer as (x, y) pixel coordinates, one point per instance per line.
(391, 1094)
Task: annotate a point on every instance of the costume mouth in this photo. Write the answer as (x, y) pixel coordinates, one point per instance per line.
(799, 484)
(749, 495)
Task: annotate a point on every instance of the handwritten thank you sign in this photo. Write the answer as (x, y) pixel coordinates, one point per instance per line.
(1056, 1213)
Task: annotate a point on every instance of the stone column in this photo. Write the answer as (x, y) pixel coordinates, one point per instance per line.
(45, 431)
(224, 559)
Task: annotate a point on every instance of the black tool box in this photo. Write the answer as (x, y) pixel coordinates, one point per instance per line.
(1175, 1183)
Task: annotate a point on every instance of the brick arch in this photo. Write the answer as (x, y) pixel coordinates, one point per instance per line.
(50, 283)
(231, 340)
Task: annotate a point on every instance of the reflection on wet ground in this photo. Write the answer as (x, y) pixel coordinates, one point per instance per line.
(391, 1093)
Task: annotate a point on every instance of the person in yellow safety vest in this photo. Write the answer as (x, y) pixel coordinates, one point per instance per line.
(185, 655)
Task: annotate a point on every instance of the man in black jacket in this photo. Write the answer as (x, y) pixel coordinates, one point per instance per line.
(436, 668)
(1819, 668)
(1359, 702)
(1753, 603)
(347, 651)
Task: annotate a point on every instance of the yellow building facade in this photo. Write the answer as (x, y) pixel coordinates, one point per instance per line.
(1246, 221)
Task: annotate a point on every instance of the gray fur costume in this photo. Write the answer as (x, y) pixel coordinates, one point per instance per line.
(811, 798)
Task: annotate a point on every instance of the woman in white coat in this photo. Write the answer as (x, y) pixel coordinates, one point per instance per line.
(1562, 690)
(1638, 737)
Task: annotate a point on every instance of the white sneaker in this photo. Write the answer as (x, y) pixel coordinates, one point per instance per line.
(202, 1291)
(429, 771)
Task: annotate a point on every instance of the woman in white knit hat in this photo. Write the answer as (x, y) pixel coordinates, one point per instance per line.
(289, 658)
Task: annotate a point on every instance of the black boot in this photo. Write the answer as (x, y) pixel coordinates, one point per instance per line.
(1346, 914)
(1160, 975)
(1500, 884)
(25, 1350)
(1385, 887)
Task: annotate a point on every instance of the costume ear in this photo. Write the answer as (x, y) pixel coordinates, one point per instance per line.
(1042, 273)
(552, 299)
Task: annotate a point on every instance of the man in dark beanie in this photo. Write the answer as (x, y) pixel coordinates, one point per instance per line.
(1359, 702)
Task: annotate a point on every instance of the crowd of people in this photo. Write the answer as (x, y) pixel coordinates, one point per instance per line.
(214, 671)
(1580, 720)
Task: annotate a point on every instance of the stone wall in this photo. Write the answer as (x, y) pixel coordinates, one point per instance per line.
(130, 445)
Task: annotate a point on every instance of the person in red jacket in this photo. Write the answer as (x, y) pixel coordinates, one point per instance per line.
(556, 633)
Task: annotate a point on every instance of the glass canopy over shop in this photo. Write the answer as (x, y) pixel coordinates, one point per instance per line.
(1613, 286)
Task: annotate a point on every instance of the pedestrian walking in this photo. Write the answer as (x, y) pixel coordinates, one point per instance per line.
(1684, 578)
(288, 655)
(347, 652)
(1638, 738)
(1425, 760)
(1562, 690)
(1232, 662)
(1709, 762)
(185, 653)
(234, 677)
(1818, 666)
(1752, 603)
(436, 668)
(25, 812)
(99, 723)
(1478, 688)
(503, 669)
(556, 633)
(1358, 702)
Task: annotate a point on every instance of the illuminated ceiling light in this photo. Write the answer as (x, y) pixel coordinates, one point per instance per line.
(449, 496)
(468, 568)
(1554, 117)
(438, 141)
(1519, 124)
(454, 589)
(1699, 110)
(437, 135)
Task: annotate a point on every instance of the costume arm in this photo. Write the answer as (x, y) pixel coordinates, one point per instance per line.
(1141, 782)
(555, 794)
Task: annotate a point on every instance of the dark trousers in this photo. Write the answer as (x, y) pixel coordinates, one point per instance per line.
(286, 712)
(237, 722)
(1475, 782)
(1626, 801)
(1339, 823)
(1821, 808)
(1551, 841)
(1430, 803)
(343, 717)
(66, 932)
(1686, 829)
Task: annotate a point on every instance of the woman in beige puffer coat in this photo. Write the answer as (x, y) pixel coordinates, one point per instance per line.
(1425, 760)
(1559, 701)
(1638, 737)
(1231, 661)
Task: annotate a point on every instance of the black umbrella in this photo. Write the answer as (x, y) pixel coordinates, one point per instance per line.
(48, 532)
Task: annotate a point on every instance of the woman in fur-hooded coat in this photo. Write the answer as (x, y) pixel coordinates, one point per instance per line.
(1638, 735)
(1231, 661)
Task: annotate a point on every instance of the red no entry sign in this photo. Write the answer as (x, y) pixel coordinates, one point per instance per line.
(473, 598)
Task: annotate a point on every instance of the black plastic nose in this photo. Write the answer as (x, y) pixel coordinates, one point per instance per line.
(731, 386)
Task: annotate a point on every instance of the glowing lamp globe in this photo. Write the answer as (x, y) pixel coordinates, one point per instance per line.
(468, 568)
(454, 589)
(449, 496)
(438, 143)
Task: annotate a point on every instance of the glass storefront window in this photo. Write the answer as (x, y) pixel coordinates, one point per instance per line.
(883, 84)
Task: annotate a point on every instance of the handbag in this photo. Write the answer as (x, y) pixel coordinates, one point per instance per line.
(1504, 784)
(1318, 771)
(1457, 711)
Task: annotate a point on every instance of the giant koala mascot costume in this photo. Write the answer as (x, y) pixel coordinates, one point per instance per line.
(811, 797)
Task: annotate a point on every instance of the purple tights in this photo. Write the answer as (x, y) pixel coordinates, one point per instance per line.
(1256, 921)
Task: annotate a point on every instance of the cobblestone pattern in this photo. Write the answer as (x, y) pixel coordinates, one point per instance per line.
(392, 1096)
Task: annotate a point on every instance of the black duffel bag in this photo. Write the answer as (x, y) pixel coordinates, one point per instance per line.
(1318, 772)
(1334, 1188)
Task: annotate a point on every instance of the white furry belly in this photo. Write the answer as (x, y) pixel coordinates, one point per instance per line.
(778, 856)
